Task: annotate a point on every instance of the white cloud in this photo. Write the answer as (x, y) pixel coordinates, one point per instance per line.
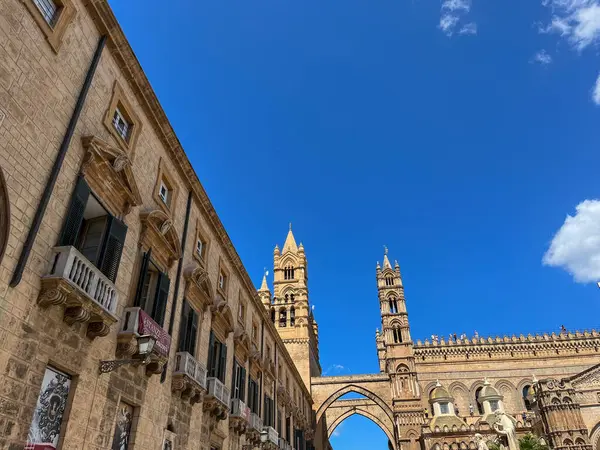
(576, 245)
(470, 28)
(542, 57)
(453, 12)
(576, 20)
(333, 369)
(596, 91)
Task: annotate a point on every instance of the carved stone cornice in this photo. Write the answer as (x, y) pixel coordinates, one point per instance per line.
(222, 318)
(107, 170)
(159, 234)
(242, 344)
(198, 288)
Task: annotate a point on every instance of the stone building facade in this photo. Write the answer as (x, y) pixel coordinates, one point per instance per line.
(108, 243)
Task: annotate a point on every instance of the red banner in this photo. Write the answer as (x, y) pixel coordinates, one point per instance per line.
(30, 446)
(149, 326)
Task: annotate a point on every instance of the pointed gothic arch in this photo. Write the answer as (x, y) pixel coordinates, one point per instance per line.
(364, 413)
(4, 215)
(358, 390)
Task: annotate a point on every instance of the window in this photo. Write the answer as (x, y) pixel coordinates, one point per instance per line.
(254, 332)
(199, 248)
(121, 121)
(288, 273)
(268, 419)
(188, 329)
(222, 282)
(242, 311)
(494, 405)
(217, 358)
(253, 396)
(282, 318)
(238, 381)
(273, 315)
(89, 228)
(164, 193)
(389, 280)
(153, 289)
(292, 316)
(122, 125)
(123, 424)
(479, 405)
(393, 306)
(49, 10)
(527, 397)
(53, 18)
(46, 425)
(268, 351)
(444, 408)
(397, 335)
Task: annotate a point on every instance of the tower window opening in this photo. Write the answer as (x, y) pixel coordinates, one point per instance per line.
(397, 335)
(282, 318)
(292, 298)
(292, 316)
(287, 298)
(389, 281)
(393, 306)
(288, 273)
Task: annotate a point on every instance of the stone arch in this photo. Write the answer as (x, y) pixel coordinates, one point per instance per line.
(4, 215)
(288, 260)
(402, 368)
(360, 412)
(473, 395)
(460, 392)
(520, 386)
(508, 391)
(595, 436)
(358, 390)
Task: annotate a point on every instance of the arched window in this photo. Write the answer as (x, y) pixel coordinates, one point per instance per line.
(389, 280)
(526, 397)
(292, 298)
(288, 273)
(286, 298)
(479, 405)
(292, 316)
(273, 315)
(393, 306)
(397, 335)
(282, 318)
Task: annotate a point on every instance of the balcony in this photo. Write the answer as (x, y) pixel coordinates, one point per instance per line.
(189, 378)
(217, 398)
(254, 429)
(239, 417)
(270, 438)
(136, 322)
(85, 293)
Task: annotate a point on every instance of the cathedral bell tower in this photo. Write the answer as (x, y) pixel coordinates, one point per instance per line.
(394, 343)
(289, 307)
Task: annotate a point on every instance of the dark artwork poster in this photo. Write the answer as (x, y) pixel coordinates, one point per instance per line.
(44, 432)
(123, 427)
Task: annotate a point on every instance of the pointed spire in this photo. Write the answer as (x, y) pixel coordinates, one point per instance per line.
(290, 242)
(437, 383)
(264, 286)
(386, 261)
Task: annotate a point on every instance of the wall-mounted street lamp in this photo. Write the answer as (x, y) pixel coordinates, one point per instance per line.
(145, 347)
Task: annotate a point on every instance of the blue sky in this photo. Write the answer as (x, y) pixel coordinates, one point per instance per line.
(458, 134)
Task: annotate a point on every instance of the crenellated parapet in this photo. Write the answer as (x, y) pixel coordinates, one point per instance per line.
(545, 344)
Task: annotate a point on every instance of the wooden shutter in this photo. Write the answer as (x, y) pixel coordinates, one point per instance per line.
(72, 225)
(211, 355)
(193, 335)
(234, 380)
(243, 385)
(160, 302)
(140, 285)
(185, 310)
(223, 363)
(112, 248)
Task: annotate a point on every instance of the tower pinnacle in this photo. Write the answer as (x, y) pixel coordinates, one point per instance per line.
(290, 242)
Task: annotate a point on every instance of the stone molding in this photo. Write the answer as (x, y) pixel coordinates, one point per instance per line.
(159, 234)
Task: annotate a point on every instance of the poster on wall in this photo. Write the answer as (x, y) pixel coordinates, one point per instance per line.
(44, 432)
(123, 427)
